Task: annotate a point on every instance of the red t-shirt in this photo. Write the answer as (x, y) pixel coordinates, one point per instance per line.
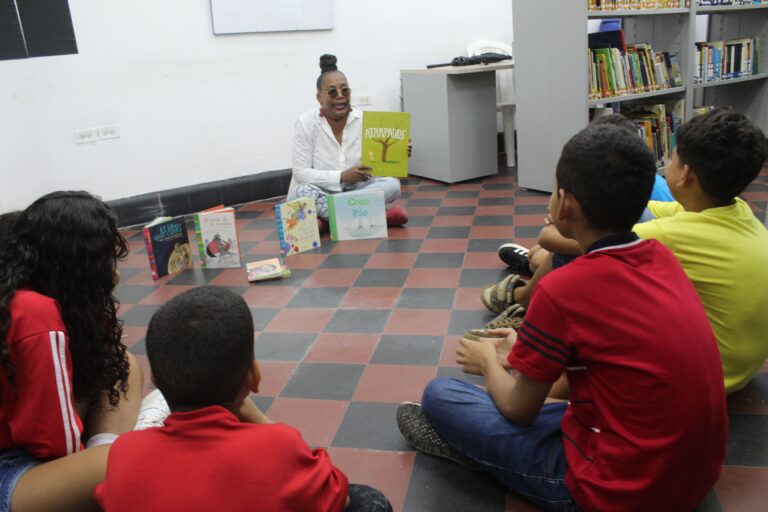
(207, 460)
(646, 425)
(37, 410)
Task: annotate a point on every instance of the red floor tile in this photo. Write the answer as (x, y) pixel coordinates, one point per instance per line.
(459, 201)
(163, 294)
(492, 232)
(448, 355)
(393, 383)
(453, 221)
(501, 210)
(274, 376)
(265, 249)
(391, 260)
(132, 334)
(357, 246)
(135, 260)
(444, 245)
(467, 187)
(300, 320)
(306, 260)
(468, 299)
(408, 233)
(433, 278)
(317, 420)
(542, 199)
(422, 211)
(426, 322)
(370, 298)
(389, 472)
(231, 277)
(254, 235)
(743, 489)
(144, 277)
(332, 278)
(498, 193)
(483, 260)
(530, 220)
(436, 194)
(343, 348)
(269, 296)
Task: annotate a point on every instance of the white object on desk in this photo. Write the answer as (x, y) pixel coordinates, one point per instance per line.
(453, 120)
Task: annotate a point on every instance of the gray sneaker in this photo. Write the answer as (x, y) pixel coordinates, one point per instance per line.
(153, 411)
(421, 436)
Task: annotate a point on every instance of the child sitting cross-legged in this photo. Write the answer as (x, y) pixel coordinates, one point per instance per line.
(217, 450)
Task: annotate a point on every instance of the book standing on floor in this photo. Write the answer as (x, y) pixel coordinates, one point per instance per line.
(167, 246)
(297, 225)
(217, 241)
(357, 215)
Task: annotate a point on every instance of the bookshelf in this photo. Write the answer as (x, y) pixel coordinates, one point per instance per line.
(551, 70)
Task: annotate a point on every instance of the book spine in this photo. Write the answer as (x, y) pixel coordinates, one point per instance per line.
(237, 239)
(150, 253)
(333, 223)
(281, 229)
(200, 241)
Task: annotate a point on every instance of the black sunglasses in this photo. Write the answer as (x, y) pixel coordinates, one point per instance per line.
(333, 92)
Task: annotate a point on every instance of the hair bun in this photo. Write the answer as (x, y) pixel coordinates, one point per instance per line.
(328, 63)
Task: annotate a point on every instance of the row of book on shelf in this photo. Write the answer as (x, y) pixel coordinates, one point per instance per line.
(637, 5)
(723, 60)
(617, 68)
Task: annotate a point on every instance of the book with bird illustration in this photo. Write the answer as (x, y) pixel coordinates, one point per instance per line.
(357, 215)
(167, 246)
(217, 238)
(297, 225)
(385, 143)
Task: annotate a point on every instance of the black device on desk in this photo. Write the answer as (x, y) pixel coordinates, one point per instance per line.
(484, 58)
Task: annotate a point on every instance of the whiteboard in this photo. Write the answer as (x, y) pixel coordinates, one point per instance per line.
(240, 16)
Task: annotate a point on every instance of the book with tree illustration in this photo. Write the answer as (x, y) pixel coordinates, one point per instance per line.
(167, 246)
(217, 237)
(385, 143)
(297, 225)
(357, 215)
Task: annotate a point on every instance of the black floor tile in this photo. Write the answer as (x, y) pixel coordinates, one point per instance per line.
(760, 383)
(132, 293)
(262, 402)
(462, 194)
(139, 315)
(463, 321)
(527, 231)
(399, 246)
(382, 277)
(449, 232)
(324, 381)
(710, 503)
(486, 244)
(479, 277)
(318, 298)
(261, 224)
(195, 277)
(368, 321)
(530, 209)
(136, 237)
(439, 485)
(140, 347)
(456, 210)
(426, 298)
(127, 273)
(419, 221)
(262, 317)
(283, 346)
(496, 201)
(372, 426)
(433, 187)
(424, 202)
(298, 276)
(345, 261)
(493, 220)
(498, 186)
(439, 260)
(418, 350)
(526, 192)
(747, 440)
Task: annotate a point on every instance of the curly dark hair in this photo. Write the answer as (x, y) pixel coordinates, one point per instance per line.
(724, 149)
(327, 64)
(65, 246)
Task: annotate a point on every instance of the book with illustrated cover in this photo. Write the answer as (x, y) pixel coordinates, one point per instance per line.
(357, 215)
(167, 246)
(385, 143)
(297, 225)
(265, 270)
(217, 238)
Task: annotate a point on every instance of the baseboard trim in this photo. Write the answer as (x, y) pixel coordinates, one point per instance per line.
(135, 210)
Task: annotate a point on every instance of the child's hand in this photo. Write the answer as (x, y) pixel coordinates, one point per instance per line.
(475, 356)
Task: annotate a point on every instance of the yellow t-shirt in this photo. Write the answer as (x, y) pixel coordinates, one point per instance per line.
(724, 252)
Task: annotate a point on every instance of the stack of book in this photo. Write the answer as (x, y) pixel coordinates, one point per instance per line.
(723, 60)
(618, 69)
(657, 125)
(629, 5)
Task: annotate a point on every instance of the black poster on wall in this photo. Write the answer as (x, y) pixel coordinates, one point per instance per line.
(11, 39)
(35, 28)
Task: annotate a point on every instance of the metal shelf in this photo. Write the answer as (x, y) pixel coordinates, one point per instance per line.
(728, 81)
(727, 8)
(640, 96)
(636, 12)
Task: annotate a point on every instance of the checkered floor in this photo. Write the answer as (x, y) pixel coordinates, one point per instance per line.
(364, 325)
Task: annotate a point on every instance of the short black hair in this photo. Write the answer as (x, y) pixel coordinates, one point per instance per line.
(610, 172)
(724, 149)
(327, 64)
(200, 347)
(616, 120)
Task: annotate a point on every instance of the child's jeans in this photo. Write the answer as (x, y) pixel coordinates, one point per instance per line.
(527, 460)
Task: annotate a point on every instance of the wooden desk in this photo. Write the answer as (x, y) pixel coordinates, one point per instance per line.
(453, 120)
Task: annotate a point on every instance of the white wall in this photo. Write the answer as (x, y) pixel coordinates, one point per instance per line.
(193, 107)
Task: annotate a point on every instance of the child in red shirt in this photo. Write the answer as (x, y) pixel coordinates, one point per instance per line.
(217, 450)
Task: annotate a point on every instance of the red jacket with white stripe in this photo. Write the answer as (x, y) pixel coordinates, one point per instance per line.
(37, 411)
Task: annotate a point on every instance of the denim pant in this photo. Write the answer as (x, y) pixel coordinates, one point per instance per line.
(527, 460)
(390, 186)
(363, 498)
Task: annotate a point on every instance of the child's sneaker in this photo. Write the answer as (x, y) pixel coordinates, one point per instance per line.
(421, 436)
(516, 258)
(153, 411)
(396, 216)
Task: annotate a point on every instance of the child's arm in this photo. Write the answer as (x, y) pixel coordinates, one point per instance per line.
(518, 398)
(551, 240)
(250, 413)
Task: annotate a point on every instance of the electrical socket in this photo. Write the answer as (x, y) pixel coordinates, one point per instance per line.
(109, 132)
(365, 100)
(86, 135)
